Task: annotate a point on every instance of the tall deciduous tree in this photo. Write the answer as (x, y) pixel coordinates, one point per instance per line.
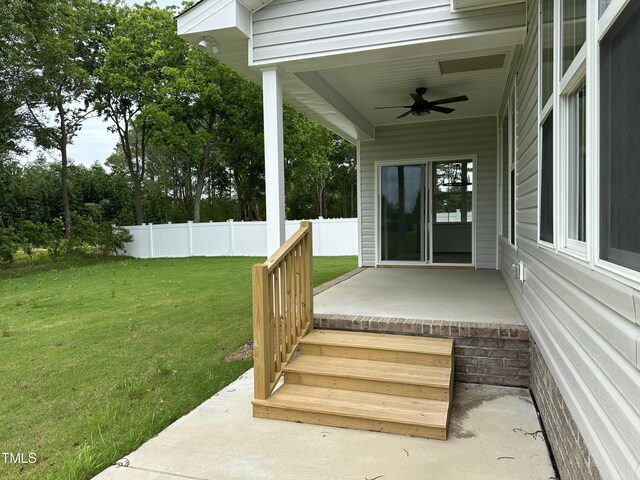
(61, 44)
(195, 101)
(12, 75)
(130, 81)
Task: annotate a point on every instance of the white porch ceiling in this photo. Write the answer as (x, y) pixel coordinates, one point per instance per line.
(390, 82)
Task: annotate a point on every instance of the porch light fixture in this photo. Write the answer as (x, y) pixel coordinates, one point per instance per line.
(209, 45)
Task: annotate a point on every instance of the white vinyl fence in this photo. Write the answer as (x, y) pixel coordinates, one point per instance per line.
(331, 237)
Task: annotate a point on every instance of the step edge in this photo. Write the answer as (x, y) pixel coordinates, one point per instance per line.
(446, 381)
(306, 341)
(265, 403)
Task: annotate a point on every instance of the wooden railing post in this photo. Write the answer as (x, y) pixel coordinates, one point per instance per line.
(307, 255)
(261, 333)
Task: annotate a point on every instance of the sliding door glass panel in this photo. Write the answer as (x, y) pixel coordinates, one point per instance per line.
(452, 212)
(402, 229)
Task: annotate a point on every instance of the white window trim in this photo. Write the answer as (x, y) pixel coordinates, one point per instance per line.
(569, 85)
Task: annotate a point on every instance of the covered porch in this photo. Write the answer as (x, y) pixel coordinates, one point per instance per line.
(417, 87)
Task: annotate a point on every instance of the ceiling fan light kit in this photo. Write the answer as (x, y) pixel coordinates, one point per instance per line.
(421, 106)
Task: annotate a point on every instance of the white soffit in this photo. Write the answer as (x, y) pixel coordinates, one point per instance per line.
(461, 5)
(389, 83)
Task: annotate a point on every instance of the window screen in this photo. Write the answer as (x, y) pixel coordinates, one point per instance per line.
(620, 141)
(546, 181)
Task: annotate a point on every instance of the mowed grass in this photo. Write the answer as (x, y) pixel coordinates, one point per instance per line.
(96, 358)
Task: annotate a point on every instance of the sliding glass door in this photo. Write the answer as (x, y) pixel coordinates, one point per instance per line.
(402, 213)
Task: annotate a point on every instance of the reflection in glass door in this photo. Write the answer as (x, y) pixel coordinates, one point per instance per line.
(402, 214)
(451, 223)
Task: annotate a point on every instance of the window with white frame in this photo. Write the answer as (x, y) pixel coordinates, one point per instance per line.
(508, 169)
(619, 169)
(547, 85)
(572, 102)
(504, 171)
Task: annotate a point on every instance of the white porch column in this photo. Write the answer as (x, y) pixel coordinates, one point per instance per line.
(273, 157)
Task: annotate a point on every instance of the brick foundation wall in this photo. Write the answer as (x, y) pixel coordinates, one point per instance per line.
(487, 353)
(571, 454)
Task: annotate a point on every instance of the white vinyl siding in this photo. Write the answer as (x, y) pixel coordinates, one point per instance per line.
(586, 324)
(286, 29)
(433, 140)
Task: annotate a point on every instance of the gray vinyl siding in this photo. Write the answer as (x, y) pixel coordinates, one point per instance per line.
(585, 323)
(288, 29)
(426, 140)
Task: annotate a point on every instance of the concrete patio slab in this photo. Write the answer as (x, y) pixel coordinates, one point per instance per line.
(422, 294)
(494, 435)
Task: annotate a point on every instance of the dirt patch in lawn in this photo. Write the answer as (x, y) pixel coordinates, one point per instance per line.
(243, 353)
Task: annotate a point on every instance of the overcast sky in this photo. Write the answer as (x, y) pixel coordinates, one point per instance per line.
(94, 142)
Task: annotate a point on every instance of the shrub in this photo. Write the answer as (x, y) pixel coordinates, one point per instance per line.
(33, 235)
(111, 239)
(8, 246)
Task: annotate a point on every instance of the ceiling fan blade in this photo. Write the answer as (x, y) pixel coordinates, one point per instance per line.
(435, 108)
(404, 114)
(462, 98)
(395, 106)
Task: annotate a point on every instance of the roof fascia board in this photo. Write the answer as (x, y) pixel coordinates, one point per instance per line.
(211, 15)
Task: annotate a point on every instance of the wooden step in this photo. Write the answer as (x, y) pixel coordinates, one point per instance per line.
(417, 381)
(360, 410)
(380, 347)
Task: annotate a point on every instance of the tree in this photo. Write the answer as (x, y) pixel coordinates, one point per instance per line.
(194, 101)
(307, 159)
(143, 43)
(61, 48)
(12, 74)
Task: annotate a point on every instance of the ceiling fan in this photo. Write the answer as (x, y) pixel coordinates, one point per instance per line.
(422, 106)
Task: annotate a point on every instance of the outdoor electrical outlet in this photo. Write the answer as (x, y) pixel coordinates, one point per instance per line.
(517, 271)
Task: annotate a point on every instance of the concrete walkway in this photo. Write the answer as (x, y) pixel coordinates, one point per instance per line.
(492, 436)
(422, 294)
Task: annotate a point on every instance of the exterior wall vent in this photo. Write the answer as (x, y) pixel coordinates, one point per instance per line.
(472, 64)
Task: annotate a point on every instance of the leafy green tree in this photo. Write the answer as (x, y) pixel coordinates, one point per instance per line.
(130, 80)
(307, 159)
(12, 76)
(61, 55)
(8, 246)
(195, 100)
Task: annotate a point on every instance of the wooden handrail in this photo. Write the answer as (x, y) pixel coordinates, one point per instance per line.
(282, 308)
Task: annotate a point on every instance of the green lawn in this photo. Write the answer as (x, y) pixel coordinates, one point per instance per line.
(97, 357)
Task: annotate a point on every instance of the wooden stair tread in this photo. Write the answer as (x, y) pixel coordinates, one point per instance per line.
(347, 403)
(380, 341)
(371, 370)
